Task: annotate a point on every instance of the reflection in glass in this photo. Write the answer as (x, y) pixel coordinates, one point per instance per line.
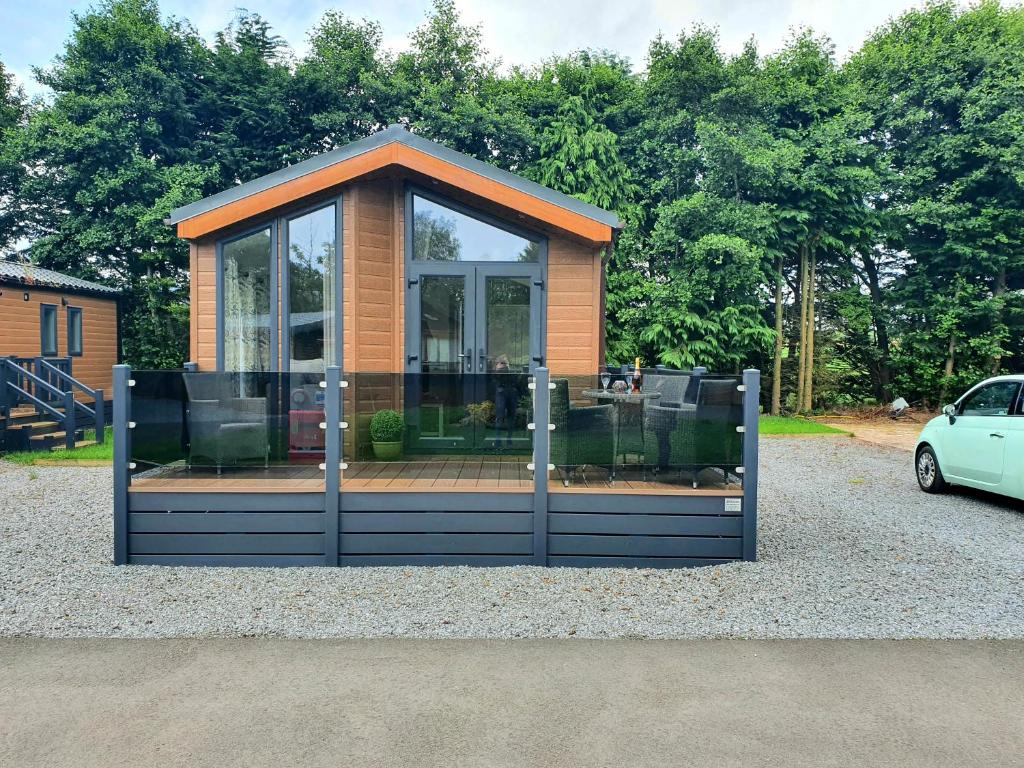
(508, 324)
(311, 296)
(443, 234)
(442, 323)
(246, 279)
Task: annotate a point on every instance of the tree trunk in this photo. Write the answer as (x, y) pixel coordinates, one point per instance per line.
(777, 367)
(801, 371)
(808, 398)
(950, 357)
(996, 361)
(883, 377)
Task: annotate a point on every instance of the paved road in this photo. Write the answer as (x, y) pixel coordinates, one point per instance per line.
(524, 703)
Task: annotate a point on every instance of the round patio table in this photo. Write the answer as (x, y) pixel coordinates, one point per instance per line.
(619, 399)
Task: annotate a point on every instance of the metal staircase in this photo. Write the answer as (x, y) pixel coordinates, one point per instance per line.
(43, 407)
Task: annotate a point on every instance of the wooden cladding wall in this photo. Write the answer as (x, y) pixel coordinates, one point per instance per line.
(20, 337)
(373, 244)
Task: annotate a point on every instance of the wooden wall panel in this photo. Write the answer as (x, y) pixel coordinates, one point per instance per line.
(373, 305)
(203, 309)
(20, 335)
(574, 308)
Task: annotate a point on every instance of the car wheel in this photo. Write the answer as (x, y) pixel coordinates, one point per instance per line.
(929, 476)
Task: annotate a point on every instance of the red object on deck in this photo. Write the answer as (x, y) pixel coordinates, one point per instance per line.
(305, 438)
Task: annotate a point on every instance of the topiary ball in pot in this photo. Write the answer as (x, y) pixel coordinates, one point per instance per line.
(386, 428)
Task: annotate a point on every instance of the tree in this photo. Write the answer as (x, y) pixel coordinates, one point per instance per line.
(13, 113)
(945, 89)
(110, 157)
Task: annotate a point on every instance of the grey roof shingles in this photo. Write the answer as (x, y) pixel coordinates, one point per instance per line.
(395, 133)
(29, 274)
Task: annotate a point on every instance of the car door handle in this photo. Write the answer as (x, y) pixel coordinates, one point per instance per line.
(995, 434)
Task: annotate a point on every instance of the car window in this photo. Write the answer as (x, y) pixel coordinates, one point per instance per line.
(993, 400)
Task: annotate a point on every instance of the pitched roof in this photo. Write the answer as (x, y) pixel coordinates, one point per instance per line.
(29, 274)
(366, 155)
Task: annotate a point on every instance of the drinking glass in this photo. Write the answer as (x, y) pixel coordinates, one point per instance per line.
(606, 379)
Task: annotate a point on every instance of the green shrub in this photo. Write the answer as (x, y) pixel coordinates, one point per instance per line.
(386, 426)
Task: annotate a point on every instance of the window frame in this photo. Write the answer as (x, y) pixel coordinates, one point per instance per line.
(44, 350)
(415, 190)
(275, 265)
(284, 259)
(1014, 405)
(72, 314)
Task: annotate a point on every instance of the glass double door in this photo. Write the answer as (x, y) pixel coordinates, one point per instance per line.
(472, 343)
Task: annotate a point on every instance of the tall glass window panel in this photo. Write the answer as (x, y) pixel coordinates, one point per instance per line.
(48, 329)
(443, 234)
(312, 302)
(247, 263)
(74, 331)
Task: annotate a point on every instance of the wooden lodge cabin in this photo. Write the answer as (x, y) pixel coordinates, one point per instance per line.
(46, 314)
(61, 329)
(413, 237)
(394, 274)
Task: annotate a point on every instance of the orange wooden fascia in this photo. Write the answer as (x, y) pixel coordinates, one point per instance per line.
(407, 157)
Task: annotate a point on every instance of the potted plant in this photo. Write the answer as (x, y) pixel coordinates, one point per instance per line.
(386, 428)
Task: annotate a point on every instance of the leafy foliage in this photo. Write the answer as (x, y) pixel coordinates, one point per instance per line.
(872, 211)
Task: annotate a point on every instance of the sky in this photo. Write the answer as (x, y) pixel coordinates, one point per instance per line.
(32, 32)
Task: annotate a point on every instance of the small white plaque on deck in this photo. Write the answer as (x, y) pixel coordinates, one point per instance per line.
(734, 504)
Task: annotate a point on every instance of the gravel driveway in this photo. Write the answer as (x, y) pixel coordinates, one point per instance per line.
(848, 548)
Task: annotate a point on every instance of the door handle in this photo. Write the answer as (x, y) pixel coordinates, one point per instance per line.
(468, 357)
(483, 358)
(995, 434)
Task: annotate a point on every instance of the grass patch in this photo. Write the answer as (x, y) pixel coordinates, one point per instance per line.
(104, 452)
(789, 425)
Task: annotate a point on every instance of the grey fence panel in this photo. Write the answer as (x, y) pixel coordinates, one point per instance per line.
(476, 560)
(644, 546)
(436, 544)
(226, 544)
(225, 502)
(646, 525)
(436, 522)
(576, 561)
(238, 561)
(421, 501)
(226, 522)
(648, 504)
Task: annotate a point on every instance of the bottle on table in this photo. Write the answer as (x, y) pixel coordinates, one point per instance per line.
(638, 377)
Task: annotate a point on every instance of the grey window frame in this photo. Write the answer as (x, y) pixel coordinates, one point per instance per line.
(285, 261)
(44, 350)
(415, 270)
(76, 312)
(414, 190)
(275, 261)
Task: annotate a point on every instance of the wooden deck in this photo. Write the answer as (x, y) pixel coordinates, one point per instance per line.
(439, 474)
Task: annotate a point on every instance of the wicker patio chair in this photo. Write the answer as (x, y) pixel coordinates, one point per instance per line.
(224, 429)
(583, 434)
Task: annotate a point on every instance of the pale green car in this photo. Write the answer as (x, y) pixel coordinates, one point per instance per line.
(977, 442)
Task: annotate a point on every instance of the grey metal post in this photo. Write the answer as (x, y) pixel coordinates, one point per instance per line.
(69, 420)
(751, 414)
(101, 416)
(3, 387)
(122, 455)
(332, 463)
(541, 458)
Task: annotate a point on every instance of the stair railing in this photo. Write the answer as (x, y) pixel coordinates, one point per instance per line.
(97, 412)
(15, 373)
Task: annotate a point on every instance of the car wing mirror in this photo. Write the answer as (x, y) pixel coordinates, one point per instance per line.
(950, 411)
